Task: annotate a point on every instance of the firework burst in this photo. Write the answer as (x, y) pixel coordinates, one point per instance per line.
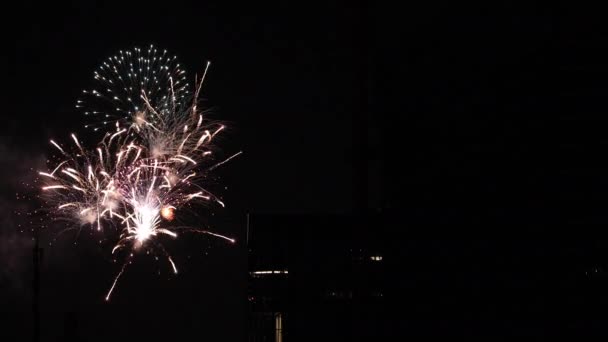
(124, 81)
(151, 163)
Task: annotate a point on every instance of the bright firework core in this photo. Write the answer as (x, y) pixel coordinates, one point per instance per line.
(146, 220)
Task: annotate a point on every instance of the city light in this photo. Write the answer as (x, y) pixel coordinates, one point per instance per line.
(259, 273)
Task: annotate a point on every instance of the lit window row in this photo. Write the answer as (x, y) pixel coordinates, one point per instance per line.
(269, 272)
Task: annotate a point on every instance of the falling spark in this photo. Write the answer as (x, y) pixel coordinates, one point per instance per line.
(46, 174)
(226, 160)
(76, 141)
(197, 195)
(173, 265)
(219, 236)
(115, 281)
(58, 147)
(50, 187)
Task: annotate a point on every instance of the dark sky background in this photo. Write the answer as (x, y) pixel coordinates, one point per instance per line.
(478, 130)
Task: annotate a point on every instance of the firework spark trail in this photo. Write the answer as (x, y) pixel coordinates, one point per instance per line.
(217, 235)
(226, 160)
(116, 280)
(150, 164)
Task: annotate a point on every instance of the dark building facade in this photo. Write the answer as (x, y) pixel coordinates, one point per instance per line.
(268, 283)
(311, 277)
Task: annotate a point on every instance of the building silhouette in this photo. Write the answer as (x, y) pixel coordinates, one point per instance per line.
(311, 277)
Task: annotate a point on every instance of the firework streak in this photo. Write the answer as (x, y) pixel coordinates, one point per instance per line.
(152, 160)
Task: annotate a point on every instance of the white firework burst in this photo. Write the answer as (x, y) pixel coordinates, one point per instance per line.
(123, 82)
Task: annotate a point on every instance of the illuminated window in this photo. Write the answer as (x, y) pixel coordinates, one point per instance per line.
(264, 273)
(376, 258)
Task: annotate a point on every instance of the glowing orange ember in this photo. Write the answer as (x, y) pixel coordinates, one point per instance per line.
(168, 213)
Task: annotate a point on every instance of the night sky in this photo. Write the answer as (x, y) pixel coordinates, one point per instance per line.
(477, 131)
